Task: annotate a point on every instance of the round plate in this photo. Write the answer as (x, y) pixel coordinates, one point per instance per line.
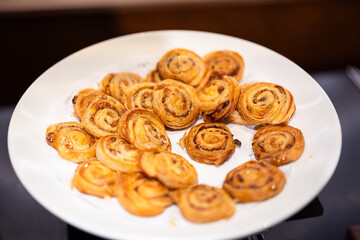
(47, 177)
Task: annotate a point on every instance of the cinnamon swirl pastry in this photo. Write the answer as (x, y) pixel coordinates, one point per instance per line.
(265, 103)
(82, 100)
(114, 84)
(139, 96)
(175, 103)
(171, 169)
(278, 145)
(102, 115)
(153, 76)
(182, 65)
(144, 130)
(224, 63)
(94, 178)
(117, 154)
(203, 203)
(210, 143)
(218, 98)
(254, 181)
(140, 195)
(71, 141)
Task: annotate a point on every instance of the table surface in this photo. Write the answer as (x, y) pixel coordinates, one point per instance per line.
(340, 198)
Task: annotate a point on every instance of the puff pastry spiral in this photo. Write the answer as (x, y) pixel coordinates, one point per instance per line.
(139, 96)
(82, 100)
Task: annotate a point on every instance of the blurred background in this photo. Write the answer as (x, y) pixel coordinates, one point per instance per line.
(321, 36)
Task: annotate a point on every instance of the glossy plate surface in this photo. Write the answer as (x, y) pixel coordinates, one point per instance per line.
(48, 100)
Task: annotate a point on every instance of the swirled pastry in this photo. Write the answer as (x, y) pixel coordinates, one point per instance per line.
(171, 169)
(209, 142)
(182, 65)
(140, 195)
(278, 145)
(117, 154)
(175, 103)
(153, 76)
(202, 203)
(254, 181)
(82, 100)
(71, 141)
(94, 178)
(265, 103)
(114, 84)
(224, 63)
(139, 96)
(144, 130)
(235, 117)
(102, 115)
(218, 98)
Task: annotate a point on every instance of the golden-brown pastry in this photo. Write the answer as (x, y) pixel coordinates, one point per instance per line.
(171, 169)
(114, 84)
(140, 195)
(224, 63)
(202, 203)
(71, 141)
(175, 103)
(144, 130)
(117, 154)
(265, 103)
(82, 100)
(209, 142)
(278, 145)
(235, 117)
(182, 65)
(218, 98)
(139, 96)
(94, 178)
(254, 181)
(153, 76)
(102, 115)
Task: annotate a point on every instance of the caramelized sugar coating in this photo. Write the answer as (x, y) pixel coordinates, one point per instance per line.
(203, 203)
(140, 195)
(265, 103)
(182, 65)
(175, 103)
(144, 130)
(102, 115)
(278, 145)
(139, 96)
(71, 141)
(82, 100)
(117, 154)
(210, 143)
(114, 84)
(224, 63)
(94, 178)
(254, 181)
(171, 169)
(218, 98)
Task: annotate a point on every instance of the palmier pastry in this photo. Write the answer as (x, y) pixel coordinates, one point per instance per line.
(224, 63)
(203, 203)
(114, 84)
(278, 145)
(102, 115)
(182, 65)
(139, 96)
(144, 130)
(116, 153)
(218, 98)
(210, 143)
(153, 76)
(175, 103)
(94, 178)
(71, 141)
(82, 100)
(140, 195)
(265, 103)
(171, 169)
(254, 181)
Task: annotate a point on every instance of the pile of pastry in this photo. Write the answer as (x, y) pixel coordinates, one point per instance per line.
(122, 149)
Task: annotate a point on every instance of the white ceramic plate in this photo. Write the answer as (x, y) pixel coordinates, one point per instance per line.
(47, 177)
